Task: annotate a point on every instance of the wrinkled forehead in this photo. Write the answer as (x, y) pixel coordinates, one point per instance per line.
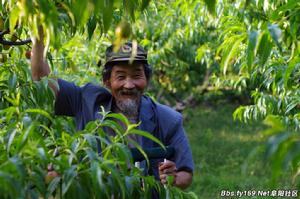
(125, 66)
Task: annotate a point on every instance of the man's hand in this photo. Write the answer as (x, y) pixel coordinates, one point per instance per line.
(167, 168)
(182, 179)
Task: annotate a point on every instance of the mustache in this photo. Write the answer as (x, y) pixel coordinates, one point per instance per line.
(129, 92)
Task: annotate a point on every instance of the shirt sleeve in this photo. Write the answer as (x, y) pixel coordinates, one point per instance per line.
(178, 139)
(68, 99)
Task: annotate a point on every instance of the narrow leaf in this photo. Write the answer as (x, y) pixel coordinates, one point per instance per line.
(147, 135)
(276, 33)
(211, 6)
(41, 112)
(13, 18)
(290, 69)
(265, 48)
(251, 49)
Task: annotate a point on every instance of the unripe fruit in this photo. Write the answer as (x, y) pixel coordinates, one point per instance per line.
(1, 24)
(6, 47)
(28, 54)
(50, 176)
(123, 30)
(14, 37)
(3, 58)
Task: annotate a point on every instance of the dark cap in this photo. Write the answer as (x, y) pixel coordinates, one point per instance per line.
(124, 53)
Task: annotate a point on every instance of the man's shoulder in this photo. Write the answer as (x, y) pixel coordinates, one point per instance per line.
(167, 113)
(91, 87)
(93, 90)
(86, 89)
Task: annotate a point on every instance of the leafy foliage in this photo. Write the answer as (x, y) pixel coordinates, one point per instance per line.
(246, 46)
(249, 46)
(33, 139)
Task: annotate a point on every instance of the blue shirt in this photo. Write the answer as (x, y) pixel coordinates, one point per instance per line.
(84, 103)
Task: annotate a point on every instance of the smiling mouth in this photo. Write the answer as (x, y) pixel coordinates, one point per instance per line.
(131, 95)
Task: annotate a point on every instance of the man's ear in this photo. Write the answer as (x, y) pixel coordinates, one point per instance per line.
(107, 84)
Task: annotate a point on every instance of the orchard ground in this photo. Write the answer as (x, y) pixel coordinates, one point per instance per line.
(228, 155)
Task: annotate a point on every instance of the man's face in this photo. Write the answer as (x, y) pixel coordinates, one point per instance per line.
(127, 84)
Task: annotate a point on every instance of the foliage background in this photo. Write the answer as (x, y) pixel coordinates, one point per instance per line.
(244, 51)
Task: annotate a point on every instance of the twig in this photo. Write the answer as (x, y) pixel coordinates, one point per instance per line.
(12, 43)
(15, 43)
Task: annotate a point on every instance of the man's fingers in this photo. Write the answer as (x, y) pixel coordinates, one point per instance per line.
(166, 168)
(163, 178)
(166, 165)
(169, 171)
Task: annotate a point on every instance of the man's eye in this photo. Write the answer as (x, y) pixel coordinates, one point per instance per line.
(137, 76)
(120, 77)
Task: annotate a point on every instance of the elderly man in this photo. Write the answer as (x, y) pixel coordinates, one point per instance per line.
(126, 77)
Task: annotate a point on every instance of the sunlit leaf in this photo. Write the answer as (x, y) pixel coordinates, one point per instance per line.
(107, 14)
(147, 135)
(252, 41)
(276, 33)
(264, 48)
(13, 18)
(211, 6)
(290, 68)
(39, 111)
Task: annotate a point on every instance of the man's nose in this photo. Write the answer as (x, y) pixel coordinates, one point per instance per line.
(129, 84)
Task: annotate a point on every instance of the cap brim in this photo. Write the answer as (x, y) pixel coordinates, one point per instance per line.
(125, 59)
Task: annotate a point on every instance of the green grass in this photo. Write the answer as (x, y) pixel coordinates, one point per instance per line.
(228, 155)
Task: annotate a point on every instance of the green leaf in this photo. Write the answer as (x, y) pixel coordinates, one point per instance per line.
(211, 6)
(98, 6)
(91, 140)
(264, 48)
(41, 112)
(230, 52)
(91, 26)
(120, 117)
(68, 178)
(12, 81)
(290, 68)
(275, 123)
(276, 33)
(145, 4)
(247, 3)
(54, 185)
(251, 49)
(238, 113)
(13, 18)
(201, 52)
(24, 137)
(291, 106)
(136, 145)
(147, 135)
(115, 126)
(123, 154)
(10, 140)
(129, 6)
(107, 14)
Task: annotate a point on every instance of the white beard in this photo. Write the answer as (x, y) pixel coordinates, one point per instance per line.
(129, 107)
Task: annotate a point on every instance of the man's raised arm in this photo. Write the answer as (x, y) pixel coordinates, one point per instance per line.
(39, 65)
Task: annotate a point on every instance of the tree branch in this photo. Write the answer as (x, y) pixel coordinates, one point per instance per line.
(12, 43)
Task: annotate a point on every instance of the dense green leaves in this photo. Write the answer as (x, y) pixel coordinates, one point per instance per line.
(246, 46)
(251, 50)
(44, 156)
